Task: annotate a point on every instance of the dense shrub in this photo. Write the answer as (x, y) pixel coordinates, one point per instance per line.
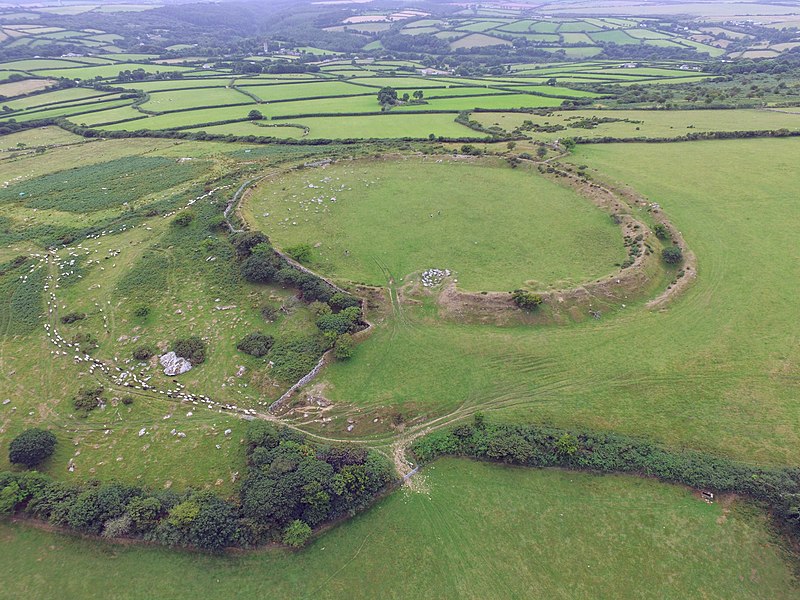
(245, 242)
(661, 231)
(526, 300)
(72, 317)
(296, 534)
(183, 219)
(291, 486)
(256, 343)
(261, 268)
(301, 252)
(343, 348)
(87, 399)
(290, 480)
(144, 352)
(141, 311)
(319, 309)
(340, 301)
(31, 447)
(191, 348)
(540, 446)
(672, 255)
(339, 323)
(294, 356)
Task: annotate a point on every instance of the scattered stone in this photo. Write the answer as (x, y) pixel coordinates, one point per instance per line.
(433, 277)
(228, 431)
(181, 435)
(142, 431)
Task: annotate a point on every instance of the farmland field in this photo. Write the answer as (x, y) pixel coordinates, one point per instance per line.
(708, 382)
(642, 124)
(271, 272)
(399, 217)
(409, 542)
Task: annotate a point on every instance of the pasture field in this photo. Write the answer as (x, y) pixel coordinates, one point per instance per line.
(257, 128)
(55, 97)
(292, 91)
(710, 372)
(477, 40)
(397, 125)
(135, 256)
(492, 102)
(42, 136)
(409, 543)
(203, 99)
(585, 36)
(186, 99)
(109, 71)
(73, 110)
(640, 123)
(481, 220)
(26, 86)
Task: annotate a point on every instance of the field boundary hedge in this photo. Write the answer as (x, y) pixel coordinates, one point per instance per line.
(604, 452)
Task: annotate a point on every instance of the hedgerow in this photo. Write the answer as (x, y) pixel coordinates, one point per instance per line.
(292, 484)
(543, 446)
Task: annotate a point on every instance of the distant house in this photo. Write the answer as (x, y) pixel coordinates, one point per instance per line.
(429, 71)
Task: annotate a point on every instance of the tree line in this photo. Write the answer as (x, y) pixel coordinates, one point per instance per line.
(292, 486)
(778, 489)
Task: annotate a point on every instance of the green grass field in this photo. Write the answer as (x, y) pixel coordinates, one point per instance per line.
(644, 123)
(180, 274)
(713, 371)
(558, 535)
(183, 99)
(495, 227)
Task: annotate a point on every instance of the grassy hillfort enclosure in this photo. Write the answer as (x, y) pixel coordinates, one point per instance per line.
(371, 299)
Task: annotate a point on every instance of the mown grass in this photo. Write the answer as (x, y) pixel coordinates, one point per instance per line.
(495, 227)
(716, 371)
(480, 531)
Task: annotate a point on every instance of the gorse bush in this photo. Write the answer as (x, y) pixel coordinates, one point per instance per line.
(184, 219)
(345, 321)
(144, 352)
(301, 252)
(526, 300)
(72, 317)
(31, 447)
(672, 255)
(256, 344)
(191, 348)
(87, 399)
(294, 356)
